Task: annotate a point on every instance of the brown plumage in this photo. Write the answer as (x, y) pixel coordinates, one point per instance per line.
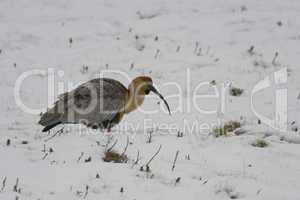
(99, 103)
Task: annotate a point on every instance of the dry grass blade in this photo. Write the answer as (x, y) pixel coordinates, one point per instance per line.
(175, 159)
(125, 149)
(114, 144)
(148, 163)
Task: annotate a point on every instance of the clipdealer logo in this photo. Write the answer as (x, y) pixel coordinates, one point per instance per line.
(186, 99)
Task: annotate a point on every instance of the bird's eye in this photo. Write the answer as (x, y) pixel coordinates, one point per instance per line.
(147, 91)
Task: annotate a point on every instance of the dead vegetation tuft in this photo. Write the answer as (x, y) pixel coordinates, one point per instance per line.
(229, 191)
(113, 156)
(234, 91)
(260, 143)
(226, 128)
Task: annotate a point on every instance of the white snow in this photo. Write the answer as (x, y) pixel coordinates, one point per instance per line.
(35, 34)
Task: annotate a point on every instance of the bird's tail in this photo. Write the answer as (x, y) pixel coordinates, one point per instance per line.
(50, 119)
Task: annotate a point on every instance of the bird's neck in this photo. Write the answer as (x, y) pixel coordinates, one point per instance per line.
(134, 100)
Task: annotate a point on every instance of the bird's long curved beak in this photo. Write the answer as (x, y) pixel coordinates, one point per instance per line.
(154, 90)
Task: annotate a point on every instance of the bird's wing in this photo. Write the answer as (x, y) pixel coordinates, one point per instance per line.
(95, 101)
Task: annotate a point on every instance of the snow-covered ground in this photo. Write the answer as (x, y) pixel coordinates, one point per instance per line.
(175, 42)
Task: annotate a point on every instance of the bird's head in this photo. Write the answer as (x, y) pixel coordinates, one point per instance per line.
(143, 85)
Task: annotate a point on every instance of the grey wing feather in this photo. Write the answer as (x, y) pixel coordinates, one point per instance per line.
(92, 102)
